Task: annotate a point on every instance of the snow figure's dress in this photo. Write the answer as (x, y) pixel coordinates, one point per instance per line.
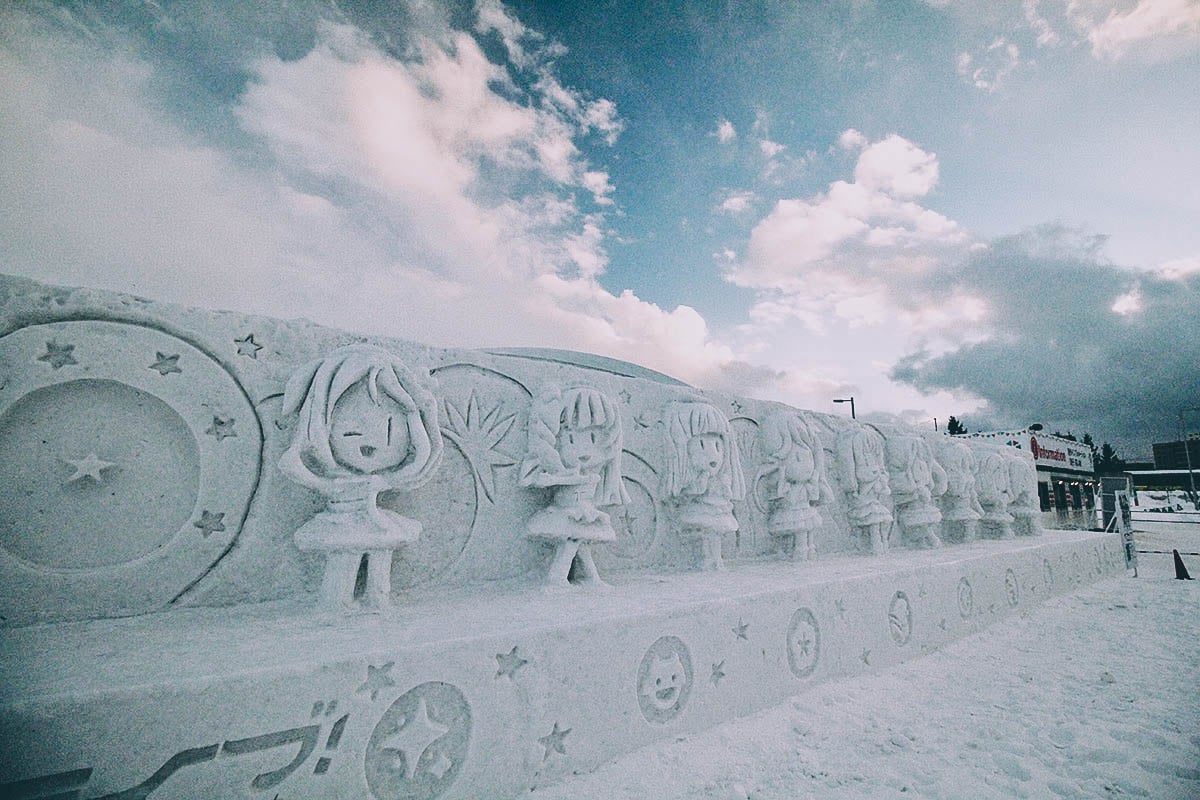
(703, 476)
(1025, 505)
(862, 468)
(794, 476)
(995, 495)
(365, 425)
(916, 479)
(961, 511)
(574, 447)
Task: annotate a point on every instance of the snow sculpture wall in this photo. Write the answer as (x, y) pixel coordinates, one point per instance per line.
(233, 471)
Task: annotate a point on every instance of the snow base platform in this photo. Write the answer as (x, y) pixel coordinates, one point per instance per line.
(480, 695)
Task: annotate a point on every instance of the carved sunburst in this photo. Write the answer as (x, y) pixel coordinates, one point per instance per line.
(477, 434)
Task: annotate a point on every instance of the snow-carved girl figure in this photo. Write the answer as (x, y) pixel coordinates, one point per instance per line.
(703, 477)
(861, 464)
(365, 424)
(961, 511)
(915, 479)
(574, 447)
(794, 475)
(995, 495)
(1025, 506)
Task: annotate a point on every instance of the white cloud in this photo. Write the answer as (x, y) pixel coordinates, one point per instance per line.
(1180, 268)
(852, 140)
(1150, 19)
(1128, 303)
(424, 198)
(988, 69)
(770, 149)
(726, 133)
(897, 167)
(1046, 35)
(738, 202)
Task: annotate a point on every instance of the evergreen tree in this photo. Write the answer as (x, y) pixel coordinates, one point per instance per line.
(954, 427)
(1109, 463)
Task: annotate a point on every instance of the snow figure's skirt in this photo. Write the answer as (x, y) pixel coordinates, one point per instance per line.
(555, 523)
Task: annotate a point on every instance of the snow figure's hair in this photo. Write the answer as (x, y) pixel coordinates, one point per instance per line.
(686, 420)
(855, 447)
(575, 408)
(313, 392)
(782, 433)
(991, 475)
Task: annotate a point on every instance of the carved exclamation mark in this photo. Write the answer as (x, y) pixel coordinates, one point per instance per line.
(335, 736)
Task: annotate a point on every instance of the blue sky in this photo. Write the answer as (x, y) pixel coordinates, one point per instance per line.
(979, 208)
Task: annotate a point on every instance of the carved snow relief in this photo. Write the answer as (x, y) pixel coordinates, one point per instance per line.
(574, 448)
(117, 497)
(703, 476)
(665, 679)
(961, 511)
(995, 494)
(793, 481)
(419, 746)
(916, 481)
(365, 425)
(803, 643)
(864, 473)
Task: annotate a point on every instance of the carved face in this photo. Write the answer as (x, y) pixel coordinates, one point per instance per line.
(584, 449)
(706, 453)
(366, 436)
(664, 682)
(800, 465)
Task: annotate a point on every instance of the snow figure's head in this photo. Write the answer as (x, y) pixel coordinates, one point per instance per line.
(702, 454)
(571, 432)
(860, 453)
(789, 444)
(361, 412)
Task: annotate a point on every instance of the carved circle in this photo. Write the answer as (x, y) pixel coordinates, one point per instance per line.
(1047, 574)
(446, 507)
(1012, 589)
(665, 680)
(61, 516)
(966, 598)
(803, 643)
(131, 456)
(419, 746)
(900, 619)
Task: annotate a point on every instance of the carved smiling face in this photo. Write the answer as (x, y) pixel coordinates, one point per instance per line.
(584, 449)
(706, 453)
(368, 436)
(664, 682)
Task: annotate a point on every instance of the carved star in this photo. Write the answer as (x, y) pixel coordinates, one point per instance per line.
(805, 643)
(718, 672)
(377, 679)
(58, 355)
(414, 737)
(509, 663)
(737, 407)
(165, 364)
(88, 467)
(210, 522)
(866, 657)
(553, 742)
(247, 346)
(221, 428)
(740, 630)
(625, 396)
(942, 624)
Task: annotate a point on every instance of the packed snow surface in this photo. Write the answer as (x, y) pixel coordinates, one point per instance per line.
(1094, 694)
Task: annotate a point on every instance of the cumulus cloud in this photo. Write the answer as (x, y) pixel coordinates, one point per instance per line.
(738, 202)
(420, 190)
(726, 133)
(1112, 37)
(1073, 341)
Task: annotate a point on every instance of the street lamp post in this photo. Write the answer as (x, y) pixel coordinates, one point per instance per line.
(849, 400)
(1187, 454)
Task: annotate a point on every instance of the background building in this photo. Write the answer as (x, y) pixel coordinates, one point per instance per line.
(1065, 468)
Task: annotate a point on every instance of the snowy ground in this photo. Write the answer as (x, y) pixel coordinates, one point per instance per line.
(1095, 694)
